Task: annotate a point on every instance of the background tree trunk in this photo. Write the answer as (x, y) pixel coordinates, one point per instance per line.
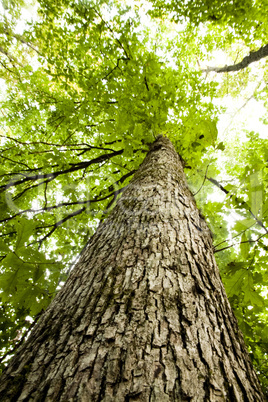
(143, 315)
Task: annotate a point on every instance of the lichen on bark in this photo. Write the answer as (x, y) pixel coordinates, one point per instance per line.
(144, 315)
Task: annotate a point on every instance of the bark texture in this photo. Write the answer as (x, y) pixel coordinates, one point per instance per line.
(144, 315)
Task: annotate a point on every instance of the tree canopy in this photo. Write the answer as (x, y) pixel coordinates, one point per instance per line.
(86, 87)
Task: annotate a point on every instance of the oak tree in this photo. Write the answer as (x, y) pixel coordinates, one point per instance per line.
(88, 87)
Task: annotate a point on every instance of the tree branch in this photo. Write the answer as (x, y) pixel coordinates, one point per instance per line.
(67, 204)
(62, 145)
(252, 57)
(205, 177)
(243, 203)
(22, 40)
(73, 168)
(10, 57)
(57, 224)
(241, 242)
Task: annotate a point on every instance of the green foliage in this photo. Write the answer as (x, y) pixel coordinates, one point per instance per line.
(88, 86)
(245, 19)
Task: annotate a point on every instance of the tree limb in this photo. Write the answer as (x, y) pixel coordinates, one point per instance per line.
(241, 242)
(10, 57)
(252, 57)
(22, 40)
(73, 168)
(259, 222)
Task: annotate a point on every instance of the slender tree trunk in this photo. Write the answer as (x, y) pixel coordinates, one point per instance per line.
(143, 315)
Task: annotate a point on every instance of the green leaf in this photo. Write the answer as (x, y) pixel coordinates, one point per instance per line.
(255, 201)
(244, 246)
(128, 151)
(250, 294)
(244, 224)
(25, 228)
(37, 274)
(138, 131)
(254, 298)
(210, 132)
(256, 198)
(233, 284)
(230, 187)
(234, 266)
(264, 334)
(221, 146)
(3, 248)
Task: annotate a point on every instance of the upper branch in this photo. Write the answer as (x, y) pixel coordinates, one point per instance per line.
(73, 168)
(258, 221)
(10, 57)
(253, 56)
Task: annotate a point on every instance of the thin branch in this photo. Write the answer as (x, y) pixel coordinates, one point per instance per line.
(15, 162)
(62, 145)
(79, 211)
(243, 203)
(245, 241)
(10, 57)
(57, 224)
(122, 179)
(22, 40)
(116, 193)
(233, 237)
(75, 167)
(205, 177)
(31, 187)
(63, 204)
(110, 29)
(113, 69)
(146, 83)
(67, 204)
(10, 71)
(45, 194)
(218, 185)
(241, 107)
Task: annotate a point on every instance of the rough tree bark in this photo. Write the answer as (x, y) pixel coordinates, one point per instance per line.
(143, 315)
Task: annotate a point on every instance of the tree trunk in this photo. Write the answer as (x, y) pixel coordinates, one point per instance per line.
(144, 315)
